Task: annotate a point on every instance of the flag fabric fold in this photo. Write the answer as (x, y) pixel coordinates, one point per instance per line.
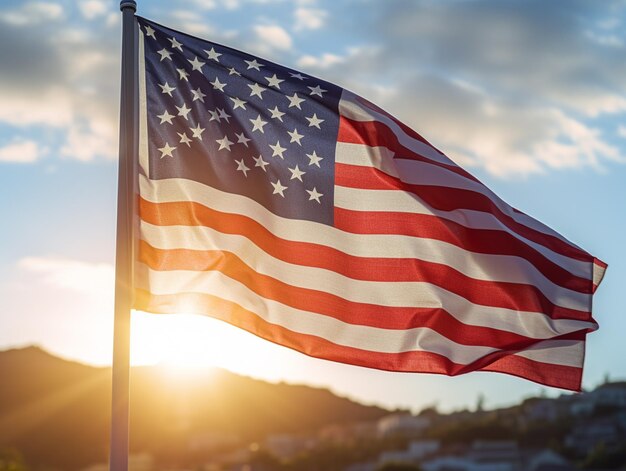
(305, 214)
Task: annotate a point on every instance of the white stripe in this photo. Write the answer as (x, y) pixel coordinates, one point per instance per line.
(528, 324)
(352, 109)
(341, 333)
(490, 268)
(382, 159)
(569, 352)
(391, 200)
(598, 273)
(480, 266)
(415, 172)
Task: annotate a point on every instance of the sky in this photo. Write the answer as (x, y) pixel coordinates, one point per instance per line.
(529, 96)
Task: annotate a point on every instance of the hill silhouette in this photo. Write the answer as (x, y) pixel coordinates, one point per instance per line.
(56, 412)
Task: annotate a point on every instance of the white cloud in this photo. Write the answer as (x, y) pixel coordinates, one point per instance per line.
(32, 13)
(309, 18)
(621, 131)
(91, 9)
(75, 275)
(89, 141)
(192, 23)
(22, 152)
(324, 61)
(113, 19)
(212, 4)
(514, 89)
(68, 85)
(273, 37)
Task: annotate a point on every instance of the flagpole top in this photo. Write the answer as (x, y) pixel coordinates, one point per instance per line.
(124, 4)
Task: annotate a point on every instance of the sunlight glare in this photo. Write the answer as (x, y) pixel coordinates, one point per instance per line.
(193, 342)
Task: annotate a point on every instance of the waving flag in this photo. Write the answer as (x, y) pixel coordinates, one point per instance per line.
(303, 213)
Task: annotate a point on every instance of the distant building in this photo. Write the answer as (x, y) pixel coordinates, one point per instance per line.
(580, 405)
(610, 394)
(482, 456)
(585, 437)
(537, 409)
(402, 424)
(546, 460)
(417, 451)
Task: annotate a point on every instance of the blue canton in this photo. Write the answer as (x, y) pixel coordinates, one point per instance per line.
(240, 124)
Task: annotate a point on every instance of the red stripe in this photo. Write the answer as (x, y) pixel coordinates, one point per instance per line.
(450, 199)
(513, 296)
(325, 303)
(377, 134)
(565, 377)
(481, 241)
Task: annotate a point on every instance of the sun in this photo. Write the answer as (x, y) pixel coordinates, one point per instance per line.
(193, 342)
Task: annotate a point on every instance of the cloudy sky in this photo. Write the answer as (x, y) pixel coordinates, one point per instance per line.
(530, 96)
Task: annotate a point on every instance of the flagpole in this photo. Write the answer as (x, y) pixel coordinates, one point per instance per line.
(124, 244)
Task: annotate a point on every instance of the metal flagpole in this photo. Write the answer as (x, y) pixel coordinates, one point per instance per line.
(124, 246)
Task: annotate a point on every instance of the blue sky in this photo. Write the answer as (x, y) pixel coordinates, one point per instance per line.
(529, 96)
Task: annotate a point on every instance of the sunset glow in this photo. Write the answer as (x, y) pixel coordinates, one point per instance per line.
(190, 342)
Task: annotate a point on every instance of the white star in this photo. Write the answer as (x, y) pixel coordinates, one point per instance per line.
(315, 121)
(317, 90)
(176, 44)
(238, 103)
(259, 162)
(184, 139)
(296, 173)
(165, 117)
(314, 195)
(295, 100)
(198, 95)
(217, 85)
(314, 159)
(258, 124)
(241, 166)
(278, 150)
(253, 64)
(278, 188)
(232, 71)
(299, 76)
(150, 32)
(256, 89)
(242, 139)
(223, 115)
(183, 111)
(165, 54)
(197, 132)
(215, 115)
(196, 64)
(212, 54)
(274, 81)
(295, 136)
(166, 150)
(276, 113)
(167, 89)
(224, 143)
(183, 74)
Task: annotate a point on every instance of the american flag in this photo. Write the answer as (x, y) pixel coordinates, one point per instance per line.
(303, 213)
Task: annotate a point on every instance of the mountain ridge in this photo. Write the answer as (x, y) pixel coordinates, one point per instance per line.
(56, 411)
